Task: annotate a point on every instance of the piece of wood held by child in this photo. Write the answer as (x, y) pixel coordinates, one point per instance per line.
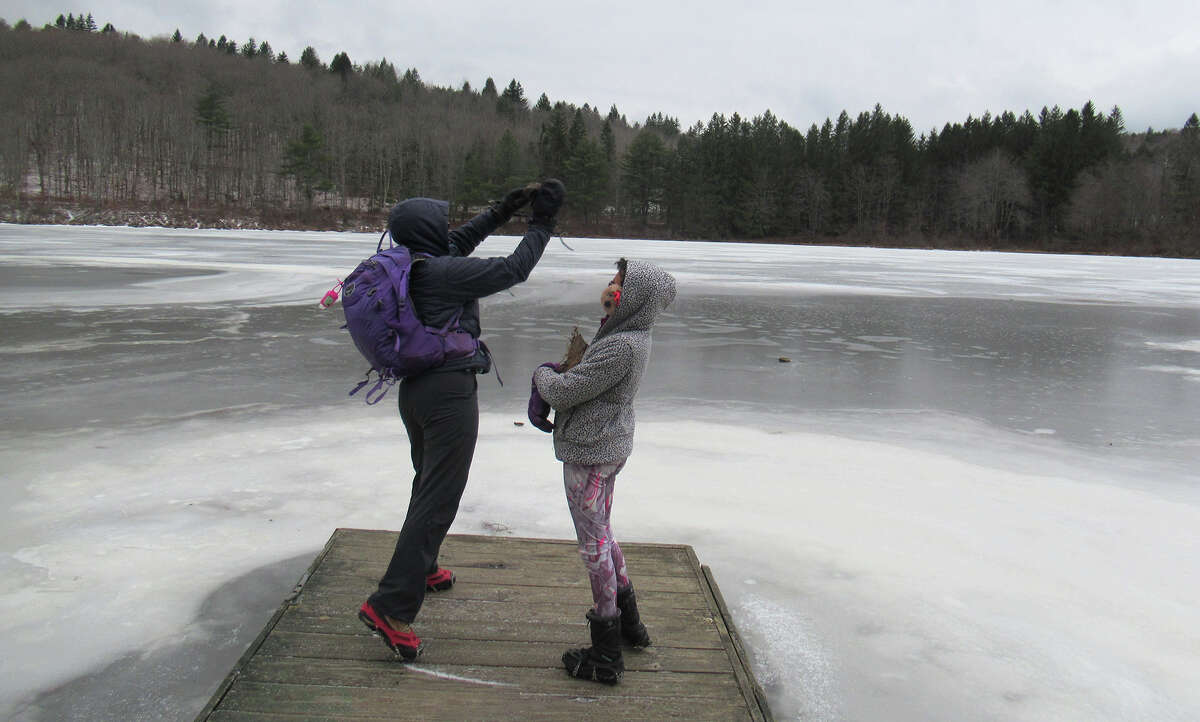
(575, 348)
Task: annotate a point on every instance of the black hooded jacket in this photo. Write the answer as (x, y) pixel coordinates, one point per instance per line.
(450, 281)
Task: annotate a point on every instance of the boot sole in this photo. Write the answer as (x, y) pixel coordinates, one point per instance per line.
(578, 667)
(408, 654)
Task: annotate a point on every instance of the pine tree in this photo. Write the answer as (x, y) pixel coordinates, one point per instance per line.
(509, 166)
(212, 115)
(543, 103)
(587, 177)
(473, 184)
(607, 142)
(282, 59)
(643, 174)
(489, 89)
(90, 24)
(177, 37)
(512, 99)
(250, 48)
(309, 59)
(306, 161)
(201, 41)
(341, 65)
(264, 51)
(553, 145)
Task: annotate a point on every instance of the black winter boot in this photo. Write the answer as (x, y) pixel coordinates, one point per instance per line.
(632, 630)
(602, 661)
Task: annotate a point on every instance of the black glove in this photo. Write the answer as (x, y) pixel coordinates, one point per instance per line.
(547, 199)
(516, 199)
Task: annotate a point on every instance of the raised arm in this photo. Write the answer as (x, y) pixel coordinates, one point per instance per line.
(466, 279)
(469, 235)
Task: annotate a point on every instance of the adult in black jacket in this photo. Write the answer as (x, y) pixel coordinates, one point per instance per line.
(439, 408)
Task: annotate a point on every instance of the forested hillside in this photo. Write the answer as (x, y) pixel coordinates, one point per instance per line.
(104, 126)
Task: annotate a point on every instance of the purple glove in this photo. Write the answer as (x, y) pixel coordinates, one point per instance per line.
(539, 410)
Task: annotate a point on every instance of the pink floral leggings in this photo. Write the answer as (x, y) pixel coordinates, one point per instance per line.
(589, 495)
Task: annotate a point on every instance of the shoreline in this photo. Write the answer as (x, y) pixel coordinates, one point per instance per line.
(359, 221)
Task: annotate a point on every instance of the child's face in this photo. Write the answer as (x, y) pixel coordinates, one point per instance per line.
(610, 297)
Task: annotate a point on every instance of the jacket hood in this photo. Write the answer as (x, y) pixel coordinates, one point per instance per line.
(421, 224)
(647, 290)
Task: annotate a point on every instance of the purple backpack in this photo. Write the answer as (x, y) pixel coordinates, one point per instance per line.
(385, 327)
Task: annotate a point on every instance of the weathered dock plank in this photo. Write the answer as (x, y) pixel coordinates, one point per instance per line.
(493, 642)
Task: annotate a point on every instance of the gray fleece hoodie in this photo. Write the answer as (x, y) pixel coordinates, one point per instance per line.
(593, 402)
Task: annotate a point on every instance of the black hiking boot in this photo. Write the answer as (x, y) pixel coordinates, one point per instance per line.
(632, 630)
(602, 661)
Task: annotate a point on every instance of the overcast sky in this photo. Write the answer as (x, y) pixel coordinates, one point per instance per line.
(928, 60)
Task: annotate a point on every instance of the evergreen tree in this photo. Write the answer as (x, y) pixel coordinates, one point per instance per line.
(341, 65)
(577, 133)
(587, 177)
(473, 182)
(177, 37)
(509, 169)
(264, 51)
(90, 24)
(212, 115)
(489, 89)
(513, 97)
(306, 161)
(201, 41)
(554, 143)
(61, 22)
(607, 142)
(250, 48)
(543, 103)
(108, 28)
(643, 174)
(309, 59)
(282, 59)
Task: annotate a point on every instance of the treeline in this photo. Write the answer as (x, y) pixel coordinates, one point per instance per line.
(214, 127)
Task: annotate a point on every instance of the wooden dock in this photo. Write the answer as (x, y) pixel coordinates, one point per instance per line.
(493, 643)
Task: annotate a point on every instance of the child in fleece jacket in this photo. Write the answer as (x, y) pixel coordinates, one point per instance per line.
(593, 436)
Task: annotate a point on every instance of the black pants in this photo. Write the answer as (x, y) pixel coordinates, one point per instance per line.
(441, 414)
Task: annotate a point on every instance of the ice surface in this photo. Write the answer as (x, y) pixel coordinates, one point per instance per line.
(972, 495)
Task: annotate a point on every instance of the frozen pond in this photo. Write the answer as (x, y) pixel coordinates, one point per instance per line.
(971, 494)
